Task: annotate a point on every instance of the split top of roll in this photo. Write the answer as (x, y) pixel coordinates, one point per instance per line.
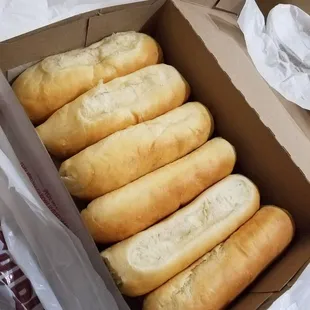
(57, 80)
(133, 152)
(145, 261)
(143, 202)
(222, 274)
(113, 106)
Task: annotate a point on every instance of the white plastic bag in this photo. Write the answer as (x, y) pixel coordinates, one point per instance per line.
(48, 253)
(49, 219)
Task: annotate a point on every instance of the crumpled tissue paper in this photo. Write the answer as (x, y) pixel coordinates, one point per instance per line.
(280, 48)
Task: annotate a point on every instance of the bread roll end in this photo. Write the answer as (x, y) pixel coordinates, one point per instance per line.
(76, 177)
(223, 273)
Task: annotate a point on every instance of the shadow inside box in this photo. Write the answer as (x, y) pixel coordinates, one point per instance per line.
(135, 302)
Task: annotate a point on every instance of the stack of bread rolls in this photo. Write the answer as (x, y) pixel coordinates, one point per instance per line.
(183, 228)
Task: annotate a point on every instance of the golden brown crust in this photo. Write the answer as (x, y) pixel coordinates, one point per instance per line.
(59, 79)
(133, 152)
(136, 206)
(113, 106)
(146, 260)
(222, 274)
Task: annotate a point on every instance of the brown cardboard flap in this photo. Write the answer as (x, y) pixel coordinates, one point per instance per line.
(204, 3)
(54, 25)
(232, 6)
(299, 115)
(127, 6)
(276, 295)
(271, 299)
(289, 123)
(252, 103)
(285, 268)
(250, 301)
(102, 25)
(227, 23)
(85, 15)
(248, 81)
(47, 42)
(75, 32)
(221, 17)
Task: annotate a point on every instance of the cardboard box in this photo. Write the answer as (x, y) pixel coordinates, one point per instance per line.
(204, 43)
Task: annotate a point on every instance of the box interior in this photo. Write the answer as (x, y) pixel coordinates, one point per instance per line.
(282, 117)
(260, 156)
(189, 43)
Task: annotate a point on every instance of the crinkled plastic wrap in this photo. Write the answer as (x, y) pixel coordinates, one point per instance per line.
(16, 291)
(49, 254)
(280, 48)
(38, 205)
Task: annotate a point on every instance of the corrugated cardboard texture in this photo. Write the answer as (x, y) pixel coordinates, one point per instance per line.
(246, 111)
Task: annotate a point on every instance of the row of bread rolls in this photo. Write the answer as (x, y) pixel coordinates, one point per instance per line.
(133, 152)
(140, 155)
(148, 259)
(51, 83)
(204, 255)
(222, 274)
(109, 107)
(110, 153)
(159, 193)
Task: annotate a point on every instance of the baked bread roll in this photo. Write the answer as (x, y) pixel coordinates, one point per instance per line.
(133, 152)
(107, 108)
(57, 80)
(137, 205)
(222, 274)
(145, 261)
